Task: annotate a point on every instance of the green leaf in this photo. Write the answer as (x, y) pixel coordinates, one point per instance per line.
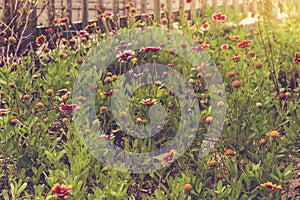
(159, 195)
(22, 188)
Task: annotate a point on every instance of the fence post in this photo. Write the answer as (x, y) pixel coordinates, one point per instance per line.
(214, 3)
(143, 6)
(181, 5)
(203, 7)
(157, 10)
(268, 8)
(169, 6)
(225, 5)
(253, 7)
(85, 14)
(235, 5)
(69, 9)
(51, 10)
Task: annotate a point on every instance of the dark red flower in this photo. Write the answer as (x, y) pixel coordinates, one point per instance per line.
(200, 48)
(236, 58)
(63, 20)
(244, 44)
(123, 57)
(40, 40)
(49, 30)
(61, 190)
(66, 107)
(297, 58)
(109, 93)
(169, 157)
(82, 33)
(62, 91)
(150, 49)
(271, 186)
(4, 112)
(188, 1)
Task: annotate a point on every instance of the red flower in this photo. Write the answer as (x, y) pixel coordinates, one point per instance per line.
(40, 40)
(4, 112)
(244, 44)
(123, 57)
(271, 186)
(65, 97)
(148, 102)
(82, 33)
(297, 58)
(107, 137)
(188, 1)
(146, 15)
(62, 91)
(204, 26)
(49, 30)
(219, 17)
(229, 151)
(236, 58)
(200, 48)
(224, 46)
(150, 49)
(66, 107)
(169, 157)
(63, 20)
(61, 190)
(109, 93)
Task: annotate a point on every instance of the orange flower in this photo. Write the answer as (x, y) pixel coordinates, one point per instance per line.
(229, 151)
(271, 186)
(169, 157)
(274, 134)
(109, 93)
(40, 40)
(61, 190)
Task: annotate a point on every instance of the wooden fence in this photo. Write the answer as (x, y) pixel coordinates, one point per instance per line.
(86, 10)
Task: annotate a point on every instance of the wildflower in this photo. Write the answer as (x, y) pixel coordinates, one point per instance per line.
(107, 137)
(187, 187)
(49, 92)
(4, 112)
(146, 15)
(66, 107)
(219, 17)
(150, 49)
(109, 93)
(200, 48)
(169, 157)
(64, 120)
(212, 162)
(79, 61)
(236, 83)
(108, 80)
(164, 21)
(281, 96)
(229, 151)
(49, 30)
(138, 120)
(61, 190)
(148, 102)
(219, 176)
(251, 53)
(12, 39)
(236, 58)
(230, 74)
(61, 91)
(82, 33)
(72, 41)
(262, 141)
(93, 89)
(25, 97)
(65, 97)
(121, 47)
(205, 26)
(271, 186)
(297, 58)
(208, 119)
(244, 43)
(63, 20)
(274, 134)
(162, 5)
(203, 66)
(114, 77)
(224, 47)
(39, 105)
(122, 114)
(235, 38)
(123, 57)
(258, 65)
(103, 108)
(13, 121)
(188, 1)
(40, 40)
(258, 105)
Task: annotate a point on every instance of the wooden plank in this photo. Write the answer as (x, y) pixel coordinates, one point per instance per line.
(69, 9)
(225, 4)
(203, 7)
(85, 13)
(157, 10)
(214, 3)
(235, 5)
(51, 10)
(143, 6)
(169, 5)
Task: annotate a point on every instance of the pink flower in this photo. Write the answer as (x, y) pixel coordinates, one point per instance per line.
(123, 57)
(244, 43)
(236, 58)
(150, 49)
(169, 157)
(107, 137)
(224, 47)
(124, 46)
(200, 48)
(66, 107)
(297, 58)
(204, 26)
(4, 112)
(188, 1)
(219, 17)
(148, 102)
(146, 15)
(65, 97)
(82, 33)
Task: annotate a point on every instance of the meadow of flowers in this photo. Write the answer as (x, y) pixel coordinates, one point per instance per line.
(43, 156)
